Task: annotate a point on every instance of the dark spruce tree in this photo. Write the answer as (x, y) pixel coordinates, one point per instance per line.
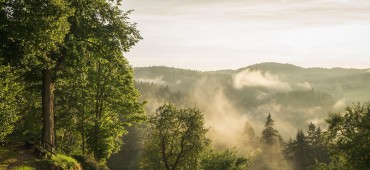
(307, 150)
(270, 135)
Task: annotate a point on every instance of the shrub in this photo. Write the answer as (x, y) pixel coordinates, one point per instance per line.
(23, 168)
(64, 162)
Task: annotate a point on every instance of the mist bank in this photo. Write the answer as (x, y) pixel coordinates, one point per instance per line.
(294, 95)
(235, 103)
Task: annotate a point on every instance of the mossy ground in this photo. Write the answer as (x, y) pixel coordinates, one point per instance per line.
(16, 156)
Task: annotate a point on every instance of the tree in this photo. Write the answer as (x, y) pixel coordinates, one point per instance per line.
(115, 106)
(348, 135)
(10, 100)
(176, 140)
(306, 151)
(270, 155)
(270, 136)
(298, 151)
(32, 33)
(249, 140)
(42, 35)
(98, 101)
(226, 160)
(317, 149)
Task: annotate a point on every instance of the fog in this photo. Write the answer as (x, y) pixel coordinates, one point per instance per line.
(257, 78)
(235, 103)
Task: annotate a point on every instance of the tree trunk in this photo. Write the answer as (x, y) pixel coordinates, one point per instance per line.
(83, 121)
(47, 106)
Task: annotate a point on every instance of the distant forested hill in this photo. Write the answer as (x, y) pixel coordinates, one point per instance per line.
(232, 100)
(295, 95)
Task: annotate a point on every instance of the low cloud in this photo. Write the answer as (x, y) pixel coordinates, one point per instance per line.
(340, 104)
(224, 120)
(319, 122)
(304, 86)
(157, 80)
(257, 78)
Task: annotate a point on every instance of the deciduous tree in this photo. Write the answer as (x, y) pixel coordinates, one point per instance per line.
(348, 135)
(177, 139)
(11, 100)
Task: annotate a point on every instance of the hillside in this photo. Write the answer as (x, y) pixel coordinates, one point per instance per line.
(232, 100)
(351, 84)
(296, 95)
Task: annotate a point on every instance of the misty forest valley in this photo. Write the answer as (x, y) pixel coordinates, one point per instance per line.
(71, 99)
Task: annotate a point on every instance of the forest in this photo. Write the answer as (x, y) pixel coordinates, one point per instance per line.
(69, 99)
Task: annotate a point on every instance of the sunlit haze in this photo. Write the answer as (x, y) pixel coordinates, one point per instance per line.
(229, 34)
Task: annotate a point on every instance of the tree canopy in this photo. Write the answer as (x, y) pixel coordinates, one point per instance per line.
(176, 140)
(348, 135)
(11, 99)
(70, 53)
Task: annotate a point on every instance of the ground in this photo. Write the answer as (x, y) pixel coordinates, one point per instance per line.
(17, 156)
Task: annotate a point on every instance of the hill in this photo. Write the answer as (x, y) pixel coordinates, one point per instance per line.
(232, 99)
(295, 95)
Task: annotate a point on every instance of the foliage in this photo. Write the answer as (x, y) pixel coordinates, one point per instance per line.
(297, 151)
(337, 162)
(65, 162)
(348, 135)
(130, 155)
(11, 100)
(270, 135)
(306, 151)
(55, 40)
(177, 139)
(23, 168)
(33, 30)
(97, 104)
(269, 154)
(88, 162)
(226, 160)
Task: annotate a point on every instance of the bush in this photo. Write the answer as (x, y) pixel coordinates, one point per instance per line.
(89, 163)
(64, 162)
(23, 168)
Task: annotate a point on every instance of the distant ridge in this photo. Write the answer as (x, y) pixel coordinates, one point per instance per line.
(266, 66)
(273, 67)
(164, 68)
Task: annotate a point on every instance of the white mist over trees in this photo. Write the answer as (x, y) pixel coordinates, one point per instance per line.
(236, 117)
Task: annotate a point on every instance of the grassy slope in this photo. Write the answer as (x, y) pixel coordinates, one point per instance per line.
(16, 156)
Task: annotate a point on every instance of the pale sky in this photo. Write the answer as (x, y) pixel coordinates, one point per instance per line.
(229, 34)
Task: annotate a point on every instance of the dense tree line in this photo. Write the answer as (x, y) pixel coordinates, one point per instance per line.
(64, 76)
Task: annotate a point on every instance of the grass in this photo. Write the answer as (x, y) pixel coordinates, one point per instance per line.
(24, 168)
(17, 157)
(65, 162)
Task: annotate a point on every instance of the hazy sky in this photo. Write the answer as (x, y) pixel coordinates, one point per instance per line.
(229, 34)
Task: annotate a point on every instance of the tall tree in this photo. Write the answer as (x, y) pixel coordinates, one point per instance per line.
(348, 135)
(40, 35)
(33, 33)
(307, 150)
(10, 100)
(271, 146)
(318, 151)
(298, 151)
(270, 135)
(177, 139)
(98, 101)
